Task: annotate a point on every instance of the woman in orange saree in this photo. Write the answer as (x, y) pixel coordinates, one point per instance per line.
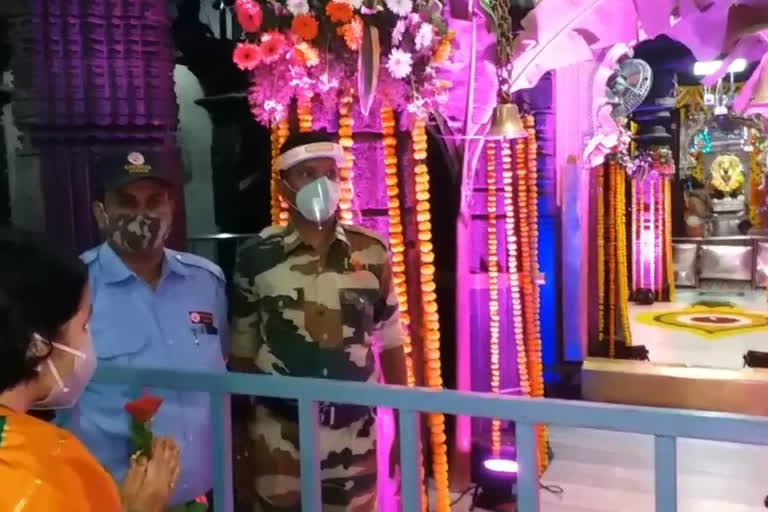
(46, 360)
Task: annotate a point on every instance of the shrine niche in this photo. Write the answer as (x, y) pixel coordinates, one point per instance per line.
(722, 169)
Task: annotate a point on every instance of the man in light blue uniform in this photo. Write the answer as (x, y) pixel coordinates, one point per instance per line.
(152, 308)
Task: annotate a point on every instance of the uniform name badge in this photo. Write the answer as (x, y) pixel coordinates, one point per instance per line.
(202, 322)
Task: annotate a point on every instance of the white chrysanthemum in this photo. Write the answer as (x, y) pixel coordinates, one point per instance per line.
(297, 7)
(424, 37)
(397, 32)
(356, 4)
(400, 7)
(399, 63)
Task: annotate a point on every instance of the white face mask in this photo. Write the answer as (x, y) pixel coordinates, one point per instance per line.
(317, 201)
(67, 391)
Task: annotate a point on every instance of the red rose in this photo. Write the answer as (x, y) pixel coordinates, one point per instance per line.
(145, 408)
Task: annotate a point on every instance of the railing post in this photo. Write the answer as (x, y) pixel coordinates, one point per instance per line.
(221, 437)
(309, 456)
(665, 474)
(526, 445)
(410, 461)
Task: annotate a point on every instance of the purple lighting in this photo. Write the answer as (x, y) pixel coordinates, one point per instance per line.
(498, 465)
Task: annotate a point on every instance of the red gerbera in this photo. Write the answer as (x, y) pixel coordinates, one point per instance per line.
(145, 408)
(339, 12)
(249, 15)
(247, 56)
(305, 26)
(272, 45)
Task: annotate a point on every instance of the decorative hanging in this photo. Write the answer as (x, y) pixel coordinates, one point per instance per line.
(513, 267)
(279, 207)
(431, 319)
(493, 291)
(346, 170)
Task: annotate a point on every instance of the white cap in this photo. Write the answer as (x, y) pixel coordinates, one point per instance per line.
(309, 151)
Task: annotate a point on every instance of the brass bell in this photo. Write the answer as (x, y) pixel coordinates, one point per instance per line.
(506, 123)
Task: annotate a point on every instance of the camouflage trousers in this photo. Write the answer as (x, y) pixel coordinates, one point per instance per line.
(347, 464)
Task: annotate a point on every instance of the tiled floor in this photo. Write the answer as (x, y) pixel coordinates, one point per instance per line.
(613, 472)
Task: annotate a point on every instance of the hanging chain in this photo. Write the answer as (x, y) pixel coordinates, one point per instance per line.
(504, 30)
(504, 41)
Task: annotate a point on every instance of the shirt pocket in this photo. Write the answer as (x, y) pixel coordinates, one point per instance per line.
(357, 314)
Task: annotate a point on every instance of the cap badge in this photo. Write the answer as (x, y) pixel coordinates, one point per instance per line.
(136, 164)
(136, 158)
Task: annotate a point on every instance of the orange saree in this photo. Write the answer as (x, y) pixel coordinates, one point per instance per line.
(45, 469)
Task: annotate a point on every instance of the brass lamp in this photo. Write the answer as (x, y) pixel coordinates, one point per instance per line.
(506, 123)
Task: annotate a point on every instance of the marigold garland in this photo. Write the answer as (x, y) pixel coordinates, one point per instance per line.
(611, 257)
(633, 210)
(397, 248)
(275, 177)
(600, 253)
(493, 290)
(346, 170)
(513, 268)
(623, 274)
(533, 220)
(304, 111)
(431, 318)
(659, 241)
(279, 207)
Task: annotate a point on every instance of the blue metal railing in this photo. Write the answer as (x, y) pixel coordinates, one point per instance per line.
(664, 424)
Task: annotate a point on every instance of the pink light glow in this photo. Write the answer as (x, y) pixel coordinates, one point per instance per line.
(500, 465)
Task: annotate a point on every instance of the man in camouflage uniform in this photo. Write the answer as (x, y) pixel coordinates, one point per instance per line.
(310, 299)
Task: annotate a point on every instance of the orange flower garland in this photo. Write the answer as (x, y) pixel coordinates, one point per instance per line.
(532, 345)
(397, 246)
(493, 290)
(275, 177)
(513, 268)
(621, 233)
(600, 253)
(533, 218)
(279, 207)
(346, 171)
(431, 319)
(396, 232)
(611, 256)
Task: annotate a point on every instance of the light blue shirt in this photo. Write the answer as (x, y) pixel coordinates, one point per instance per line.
(182, 324)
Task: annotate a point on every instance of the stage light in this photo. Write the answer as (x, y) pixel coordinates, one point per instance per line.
(704, 68)
(756, 359)
(499, 465)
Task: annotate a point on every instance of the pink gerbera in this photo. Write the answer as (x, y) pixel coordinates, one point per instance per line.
(249, 15)
(272, 45)
(247, 56)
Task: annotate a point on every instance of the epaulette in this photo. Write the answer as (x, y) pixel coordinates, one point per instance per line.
(369, 233)
(194, 260)
(266, 236)
(90, 255)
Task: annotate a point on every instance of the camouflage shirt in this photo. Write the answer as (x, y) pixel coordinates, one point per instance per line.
(299, 313)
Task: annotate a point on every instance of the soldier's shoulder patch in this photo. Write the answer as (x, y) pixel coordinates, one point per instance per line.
(272, 231)
(359, 230)
(193, 260)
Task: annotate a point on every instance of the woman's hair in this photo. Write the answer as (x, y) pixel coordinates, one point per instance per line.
(40, 290)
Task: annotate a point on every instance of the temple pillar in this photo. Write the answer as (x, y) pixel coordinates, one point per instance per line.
(94, 76)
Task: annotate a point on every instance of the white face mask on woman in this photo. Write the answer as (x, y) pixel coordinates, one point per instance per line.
(68, 388)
